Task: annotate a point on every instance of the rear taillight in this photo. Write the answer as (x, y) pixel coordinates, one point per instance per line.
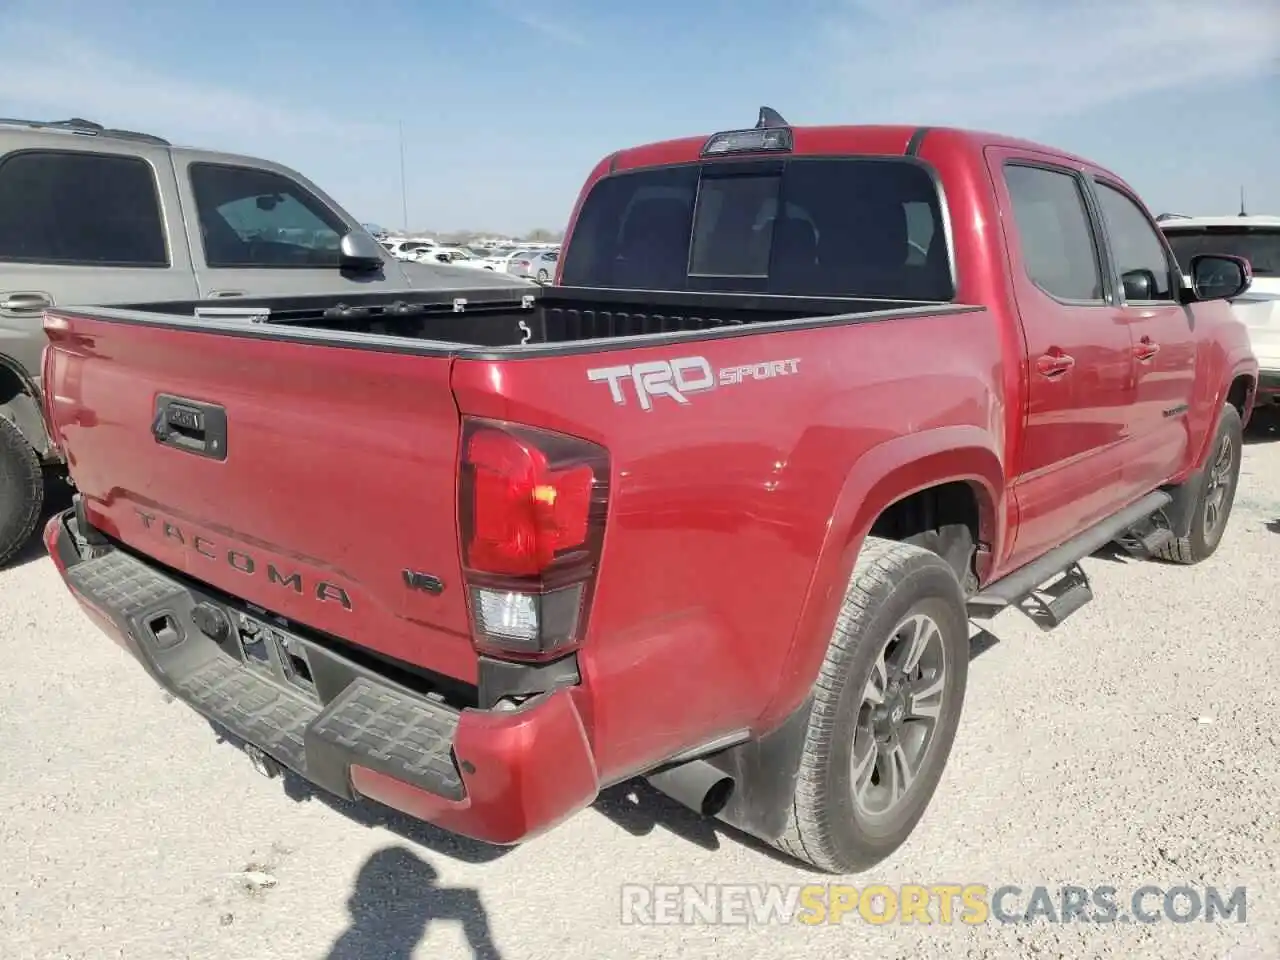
(532, 507)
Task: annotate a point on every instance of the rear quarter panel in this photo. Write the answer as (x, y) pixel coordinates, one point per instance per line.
(1223, 353)
(721, 507)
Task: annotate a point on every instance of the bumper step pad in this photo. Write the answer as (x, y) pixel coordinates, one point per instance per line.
(377, 726)
(406, 738)
(253, 709)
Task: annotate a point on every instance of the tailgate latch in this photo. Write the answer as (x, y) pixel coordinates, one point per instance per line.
(192, 426)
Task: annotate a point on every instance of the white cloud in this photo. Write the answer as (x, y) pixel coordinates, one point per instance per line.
(542, 19)
(96, 85)
(1012, 63)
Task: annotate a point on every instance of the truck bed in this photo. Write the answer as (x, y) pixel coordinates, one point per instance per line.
(546, 320)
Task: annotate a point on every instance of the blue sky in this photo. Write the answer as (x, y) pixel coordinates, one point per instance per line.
(507, 105)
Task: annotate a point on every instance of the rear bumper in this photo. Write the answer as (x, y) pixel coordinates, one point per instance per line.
(496, 776)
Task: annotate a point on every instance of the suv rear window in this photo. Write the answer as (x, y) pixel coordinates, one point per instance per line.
(80, 208)
(1259, 245)
(849, 227)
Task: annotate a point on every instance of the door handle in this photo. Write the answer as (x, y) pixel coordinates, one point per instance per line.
(25, 303)
(1144, 349)
(191, 425)
(1054, 364)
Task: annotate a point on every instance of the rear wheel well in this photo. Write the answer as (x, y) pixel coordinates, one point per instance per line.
(11, 385)
(944, 519)
(1241, 394)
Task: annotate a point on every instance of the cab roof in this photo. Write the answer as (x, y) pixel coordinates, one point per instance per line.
(842, 139)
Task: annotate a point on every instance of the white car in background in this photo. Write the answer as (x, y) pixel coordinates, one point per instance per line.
(537, 265)
(465, 260)
(454, 256)
(407, 248)
(1257, 239)
(502, 257)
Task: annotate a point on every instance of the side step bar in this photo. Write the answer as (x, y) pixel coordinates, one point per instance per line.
(1049, 603)
(1147, 537)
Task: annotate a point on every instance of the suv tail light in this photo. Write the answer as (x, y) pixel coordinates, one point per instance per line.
(531, 512)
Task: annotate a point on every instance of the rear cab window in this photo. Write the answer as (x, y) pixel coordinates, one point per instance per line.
(77, 208)
(1260, 245)
(257, 218)
(865, 227)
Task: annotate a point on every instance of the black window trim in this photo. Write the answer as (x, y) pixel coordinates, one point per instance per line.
(1171, 262)
(106, 264)
(204, 255)
(732, 165)
(1101, 254)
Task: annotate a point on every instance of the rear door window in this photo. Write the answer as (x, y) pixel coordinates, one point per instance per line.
(80, 208)
(1054, 232)
(855, 227)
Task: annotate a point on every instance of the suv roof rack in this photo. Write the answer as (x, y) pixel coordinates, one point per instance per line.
(86, 128)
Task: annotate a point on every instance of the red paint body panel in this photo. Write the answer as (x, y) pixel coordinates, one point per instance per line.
(341, 468)
(719, 509)
(734, 520)
(532, 769)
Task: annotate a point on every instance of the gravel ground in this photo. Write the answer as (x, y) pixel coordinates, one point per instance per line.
(1135, 745)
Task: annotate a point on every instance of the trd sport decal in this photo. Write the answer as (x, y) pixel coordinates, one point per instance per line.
(678, 378)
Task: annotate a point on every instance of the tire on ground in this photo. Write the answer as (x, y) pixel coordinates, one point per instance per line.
(891, 582)
(1203, 540)
(21, 490)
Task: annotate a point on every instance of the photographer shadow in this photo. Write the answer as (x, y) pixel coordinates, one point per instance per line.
(397, 897)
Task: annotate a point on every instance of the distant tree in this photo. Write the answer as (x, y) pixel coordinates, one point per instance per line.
(543, 235)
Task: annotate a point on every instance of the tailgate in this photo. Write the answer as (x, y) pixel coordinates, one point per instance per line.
(335, 481)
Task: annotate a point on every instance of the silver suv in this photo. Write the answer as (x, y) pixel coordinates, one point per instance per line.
(90, 215)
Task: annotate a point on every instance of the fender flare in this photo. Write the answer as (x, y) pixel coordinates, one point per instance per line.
(880, 478)
(1181, 511)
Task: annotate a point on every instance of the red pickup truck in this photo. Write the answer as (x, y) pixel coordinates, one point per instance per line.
(713, 509)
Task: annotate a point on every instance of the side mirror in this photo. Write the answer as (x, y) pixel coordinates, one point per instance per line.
(1216, 277)
(359, 251)
(1139, 285)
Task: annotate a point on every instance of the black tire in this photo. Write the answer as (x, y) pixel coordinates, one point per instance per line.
(1208, 524)
(543, 276)
(891, 583)
(21, 491)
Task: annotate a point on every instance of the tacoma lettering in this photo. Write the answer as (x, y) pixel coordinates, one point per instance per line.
(245, 563)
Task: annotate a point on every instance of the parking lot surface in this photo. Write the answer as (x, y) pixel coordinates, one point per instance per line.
(1136, 745)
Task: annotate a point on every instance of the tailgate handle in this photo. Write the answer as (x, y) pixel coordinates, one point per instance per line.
(191, 425)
